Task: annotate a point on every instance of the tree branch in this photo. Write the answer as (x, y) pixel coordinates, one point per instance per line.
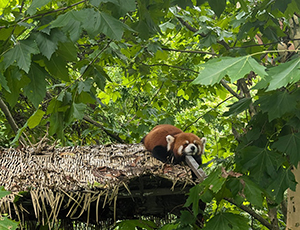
(190, 51)
(95, 123)
(252, 213)
(11, 120)
(230, 90)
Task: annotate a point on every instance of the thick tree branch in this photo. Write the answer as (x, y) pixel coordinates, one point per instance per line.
(11, 120)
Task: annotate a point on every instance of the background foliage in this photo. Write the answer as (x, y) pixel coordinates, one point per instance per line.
(97, 71)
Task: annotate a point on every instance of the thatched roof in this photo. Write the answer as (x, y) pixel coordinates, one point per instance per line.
(97, 182)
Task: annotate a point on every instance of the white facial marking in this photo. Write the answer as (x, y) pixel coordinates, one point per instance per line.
(180, 150)
(191, 149)
(170, 139)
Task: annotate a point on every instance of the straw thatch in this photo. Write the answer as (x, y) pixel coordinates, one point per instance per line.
(98, 183)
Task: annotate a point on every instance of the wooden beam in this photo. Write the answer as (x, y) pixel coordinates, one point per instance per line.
(195, 167)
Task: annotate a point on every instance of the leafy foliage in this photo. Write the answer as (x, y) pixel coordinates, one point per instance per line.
(93, 71)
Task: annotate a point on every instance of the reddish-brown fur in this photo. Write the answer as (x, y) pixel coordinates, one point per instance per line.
(157, 136)
(165, 141)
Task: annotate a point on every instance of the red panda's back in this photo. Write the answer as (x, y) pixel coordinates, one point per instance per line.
(157, 136)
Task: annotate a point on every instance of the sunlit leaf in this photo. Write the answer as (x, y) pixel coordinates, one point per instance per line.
(35, 5)
(284, 74)
(35, 119)
(236, 68)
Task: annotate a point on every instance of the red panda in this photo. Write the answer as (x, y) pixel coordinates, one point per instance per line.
(170, 144)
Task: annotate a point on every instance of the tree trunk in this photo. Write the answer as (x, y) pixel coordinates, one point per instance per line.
(293, 208)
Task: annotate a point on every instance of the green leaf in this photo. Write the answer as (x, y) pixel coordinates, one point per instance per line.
(194, 197)
(289, 144)
(227, 221)
(85, 86)
(36, 89)
(218, 6)
(35, 119)
(235, 68)
(258, 161)
(67, 51)
(215, 180)
(15, 81)
(21, 54)
(133, 224)
(239, 106)
(35, 5)
(278, 103)
(77, 110)
(19, 133)
(6, 223)
(46, 45)
(57, 67)
(187, 218)
(57, 124)
(111, 27)
(252, 192)
(284, 179)
(3, 83)
(284, 74)
(3, 192)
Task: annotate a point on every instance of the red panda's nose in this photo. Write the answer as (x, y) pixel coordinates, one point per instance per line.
(193, 148)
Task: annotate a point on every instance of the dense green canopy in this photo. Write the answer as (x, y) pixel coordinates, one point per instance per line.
(98, 71)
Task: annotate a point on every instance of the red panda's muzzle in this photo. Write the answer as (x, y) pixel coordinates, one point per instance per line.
(190, 150)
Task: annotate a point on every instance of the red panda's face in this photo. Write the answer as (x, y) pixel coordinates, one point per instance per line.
(186, 144)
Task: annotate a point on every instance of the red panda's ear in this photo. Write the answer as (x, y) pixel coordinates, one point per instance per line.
(170, 139)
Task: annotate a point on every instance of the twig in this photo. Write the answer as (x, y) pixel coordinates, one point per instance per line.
(190, 51)
(173, 66)
(50, 12)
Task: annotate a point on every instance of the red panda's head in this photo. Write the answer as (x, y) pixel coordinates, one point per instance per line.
(186, 144)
